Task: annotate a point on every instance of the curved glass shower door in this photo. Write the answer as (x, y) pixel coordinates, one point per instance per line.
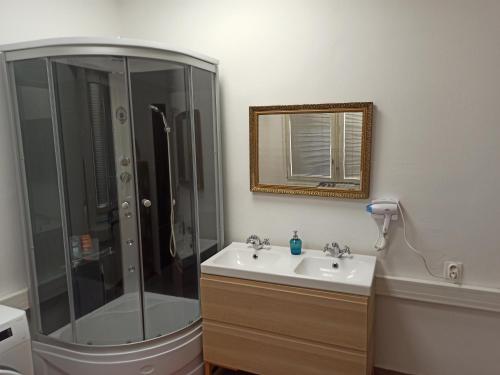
(80, 180)
(91, 98)
(46, 224)
(164, 164)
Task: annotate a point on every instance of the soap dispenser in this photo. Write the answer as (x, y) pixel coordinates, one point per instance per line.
(295, 244)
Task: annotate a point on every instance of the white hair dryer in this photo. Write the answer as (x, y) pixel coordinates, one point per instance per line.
(386, 209)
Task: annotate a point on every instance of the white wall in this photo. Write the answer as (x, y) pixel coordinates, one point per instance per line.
(430, 339)
(32, 19)
(27, 20)
(431, 69)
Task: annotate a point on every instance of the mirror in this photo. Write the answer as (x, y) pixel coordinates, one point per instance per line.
(317, 149)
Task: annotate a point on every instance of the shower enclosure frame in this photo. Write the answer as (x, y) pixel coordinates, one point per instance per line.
(45, 49)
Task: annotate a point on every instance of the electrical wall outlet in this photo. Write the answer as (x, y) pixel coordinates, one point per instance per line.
(453, 272)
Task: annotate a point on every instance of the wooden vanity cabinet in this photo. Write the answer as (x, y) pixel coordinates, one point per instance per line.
(267, 328)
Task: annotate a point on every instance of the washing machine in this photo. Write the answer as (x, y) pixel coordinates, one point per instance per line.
(15, 343)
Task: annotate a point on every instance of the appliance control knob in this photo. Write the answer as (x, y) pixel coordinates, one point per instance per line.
(125, 177)
(124, 161)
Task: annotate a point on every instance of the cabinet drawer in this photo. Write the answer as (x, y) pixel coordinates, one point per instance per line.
(266, 353)
(321, 316)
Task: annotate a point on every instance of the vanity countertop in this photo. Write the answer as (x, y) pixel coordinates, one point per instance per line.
(312, 269)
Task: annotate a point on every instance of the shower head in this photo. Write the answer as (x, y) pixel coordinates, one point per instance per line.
(154, 108)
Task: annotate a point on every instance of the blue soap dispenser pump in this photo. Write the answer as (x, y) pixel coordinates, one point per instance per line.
(295, 244)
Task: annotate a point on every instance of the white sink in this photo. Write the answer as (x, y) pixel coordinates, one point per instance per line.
(247, 258)
(311, 269)
(329, 268)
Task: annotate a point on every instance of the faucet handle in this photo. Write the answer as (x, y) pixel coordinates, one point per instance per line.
(346, 250)
(257, 243)
(252, 238)
(335, 250)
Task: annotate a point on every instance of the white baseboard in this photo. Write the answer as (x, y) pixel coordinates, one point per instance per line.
(479, 298)
(17, 299)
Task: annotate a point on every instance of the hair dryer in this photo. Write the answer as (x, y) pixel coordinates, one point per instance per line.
(386, 209)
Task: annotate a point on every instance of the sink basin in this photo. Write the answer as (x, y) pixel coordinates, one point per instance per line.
(328, 268)
(311, 269)
(247, 258)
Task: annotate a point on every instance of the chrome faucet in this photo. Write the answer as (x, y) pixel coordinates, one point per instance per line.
(257, 243)
(335, 250)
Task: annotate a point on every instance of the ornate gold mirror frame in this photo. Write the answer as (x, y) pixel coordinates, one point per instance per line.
(366, 139)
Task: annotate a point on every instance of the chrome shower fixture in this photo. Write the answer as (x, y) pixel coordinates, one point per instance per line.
(154, 108)
(166, 128)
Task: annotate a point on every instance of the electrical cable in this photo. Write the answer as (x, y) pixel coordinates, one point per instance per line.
(412, 248)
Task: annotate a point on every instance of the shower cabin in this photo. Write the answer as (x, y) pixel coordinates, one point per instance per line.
(118, 149)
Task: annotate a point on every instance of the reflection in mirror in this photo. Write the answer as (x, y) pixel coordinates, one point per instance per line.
(311, 151)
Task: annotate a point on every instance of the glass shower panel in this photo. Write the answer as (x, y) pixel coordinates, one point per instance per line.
(206, 161)
(163, 152)
(49, 264)
(96, 150)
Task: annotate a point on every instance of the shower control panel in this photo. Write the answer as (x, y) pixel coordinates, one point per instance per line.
(125, 182)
